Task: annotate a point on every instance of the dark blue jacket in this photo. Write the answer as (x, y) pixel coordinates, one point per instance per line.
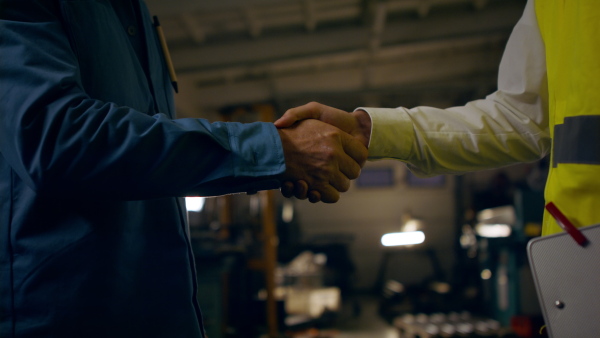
(93, 236)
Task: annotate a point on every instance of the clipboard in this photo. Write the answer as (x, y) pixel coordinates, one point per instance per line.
(567, 280)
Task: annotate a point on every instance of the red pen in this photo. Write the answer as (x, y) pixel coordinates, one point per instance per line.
(566, 225)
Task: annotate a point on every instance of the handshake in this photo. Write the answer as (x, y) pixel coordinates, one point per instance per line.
(324, 149)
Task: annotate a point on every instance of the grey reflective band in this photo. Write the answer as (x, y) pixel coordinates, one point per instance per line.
(577, 140)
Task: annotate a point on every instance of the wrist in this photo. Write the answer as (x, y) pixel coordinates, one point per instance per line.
(363, 120)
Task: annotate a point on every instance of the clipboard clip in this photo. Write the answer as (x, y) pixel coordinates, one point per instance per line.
(566, 225)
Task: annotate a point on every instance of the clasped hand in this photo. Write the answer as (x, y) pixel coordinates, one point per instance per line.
(324, 149)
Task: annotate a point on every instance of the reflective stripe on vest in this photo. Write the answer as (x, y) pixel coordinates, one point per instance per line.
(577, 140)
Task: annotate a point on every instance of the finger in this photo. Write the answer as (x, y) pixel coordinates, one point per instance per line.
(339, 181)
(354, 148)
(339, 118)
(314, 196)
(329, 194)
(287, 189)
(348, 167)
(308, 111)
(301, 189)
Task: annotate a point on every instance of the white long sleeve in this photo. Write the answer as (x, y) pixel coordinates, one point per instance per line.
(507, 127)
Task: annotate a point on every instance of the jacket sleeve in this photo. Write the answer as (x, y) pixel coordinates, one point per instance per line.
(507, 127)
(60, 141)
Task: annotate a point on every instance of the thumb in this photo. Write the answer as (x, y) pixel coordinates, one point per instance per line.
(355, 149)
(291, 116)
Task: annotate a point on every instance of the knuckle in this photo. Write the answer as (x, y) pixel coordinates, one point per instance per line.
(285, 190)
(312, 104)
(329, 154)
(334, 132)
(315, 195)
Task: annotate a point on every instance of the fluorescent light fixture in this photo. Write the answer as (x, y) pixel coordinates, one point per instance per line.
(403, 238)
(194, 203)
(493, 230)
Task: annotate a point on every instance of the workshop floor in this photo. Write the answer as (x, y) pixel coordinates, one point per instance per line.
(368, 324)
(357, 319)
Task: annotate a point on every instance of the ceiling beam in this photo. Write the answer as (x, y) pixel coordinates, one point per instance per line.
(191, 59)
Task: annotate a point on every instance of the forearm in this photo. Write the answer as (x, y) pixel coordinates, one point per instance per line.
(481, 135)
(106, 150)
(61, 137)
(507, 127)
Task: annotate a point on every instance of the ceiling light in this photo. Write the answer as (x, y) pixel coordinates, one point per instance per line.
(403, 238)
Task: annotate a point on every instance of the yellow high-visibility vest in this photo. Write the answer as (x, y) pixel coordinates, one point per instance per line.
(571, 33)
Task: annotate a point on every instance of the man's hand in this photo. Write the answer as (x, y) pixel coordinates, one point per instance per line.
(357, 124)
(323, 157)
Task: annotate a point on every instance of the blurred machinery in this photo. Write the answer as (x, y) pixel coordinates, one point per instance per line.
(491, 293)
(451, 324)
(502, 236)
(310, 276)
